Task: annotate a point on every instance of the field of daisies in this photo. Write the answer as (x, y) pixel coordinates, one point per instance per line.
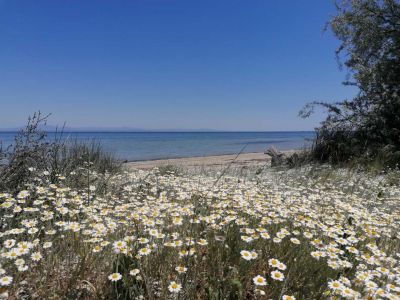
(306, 233)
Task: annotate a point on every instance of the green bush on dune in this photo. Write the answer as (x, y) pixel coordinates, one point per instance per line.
(367, 127)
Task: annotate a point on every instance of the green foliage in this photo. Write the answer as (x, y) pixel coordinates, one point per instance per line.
(30, 150)
(34, 153)
(369, 31)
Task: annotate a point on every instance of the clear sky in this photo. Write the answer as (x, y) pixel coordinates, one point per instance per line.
(159, 64)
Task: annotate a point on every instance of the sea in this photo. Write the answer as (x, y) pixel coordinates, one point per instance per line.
(139, 146)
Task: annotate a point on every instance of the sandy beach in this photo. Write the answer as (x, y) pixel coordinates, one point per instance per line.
(244, 159)
(206, 161)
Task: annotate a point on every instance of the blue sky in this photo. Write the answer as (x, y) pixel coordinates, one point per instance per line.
(228, 65)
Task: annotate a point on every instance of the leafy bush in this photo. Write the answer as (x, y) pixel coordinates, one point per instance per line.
(369, 31)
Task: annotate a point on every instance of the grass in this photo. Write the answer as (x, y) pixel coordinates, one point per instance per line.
(173, 234)
(35, 152)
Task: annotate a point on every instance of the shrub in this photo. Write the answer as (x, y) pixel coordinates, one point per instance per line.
(369, 31)
(35, 153)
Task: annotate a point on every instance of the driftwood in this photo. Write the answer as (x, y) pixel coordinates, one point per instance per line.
(277, 158)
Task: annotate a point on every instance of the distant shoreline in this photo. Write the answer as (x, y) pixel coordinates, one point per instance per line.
(127, 161)
(244, 159)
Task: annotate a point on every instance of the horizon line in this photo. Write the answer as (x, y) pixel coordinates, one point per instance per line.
(77, 130)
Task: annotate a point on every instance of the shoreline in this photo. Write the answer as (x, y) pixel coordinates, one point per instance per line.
(188, 157)
(243, 160)
(127, 161)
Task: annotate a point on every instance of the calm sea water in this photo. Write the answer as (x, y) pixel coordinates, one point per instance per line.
(134, 146)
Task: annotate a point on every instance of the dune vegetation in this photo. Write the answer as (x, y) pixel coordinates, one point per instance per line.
(305, 233)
